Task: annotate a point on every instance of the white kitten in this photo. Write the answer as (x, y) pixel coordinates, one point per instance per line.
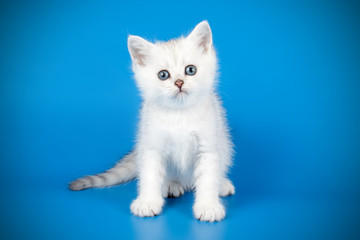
(183, 141)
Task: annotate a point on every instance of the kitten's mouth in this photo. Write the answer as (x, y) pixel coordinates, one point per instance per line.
(181, 92)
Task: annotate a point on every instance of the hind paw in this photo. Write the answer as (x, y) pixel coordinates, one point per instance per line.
(226, 188)
(173, 189)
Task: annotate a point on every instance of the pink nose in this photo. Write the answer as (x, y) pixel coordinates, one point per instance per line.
(179, 83)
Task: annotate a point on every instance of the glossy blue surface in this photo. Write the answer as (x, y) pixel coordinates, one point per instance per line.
(290, 80)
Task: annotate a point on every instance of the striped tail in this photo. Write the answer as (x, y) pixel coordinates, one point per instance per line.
(123, 171)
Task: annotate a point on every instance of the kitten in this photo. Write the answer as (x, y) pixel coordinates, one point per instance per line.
(183, 141)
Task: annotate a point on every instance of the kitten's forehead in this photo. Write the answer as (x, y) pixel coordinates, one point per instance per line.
(175, 52)
(171, 45)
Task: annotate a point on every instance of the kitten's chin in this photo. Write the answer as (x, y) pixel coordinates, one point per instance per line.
(181, 93)
(178, 100)
(181, 96)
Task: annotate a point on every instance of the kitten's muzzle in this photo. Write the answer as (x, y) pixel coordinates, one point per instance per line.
(179, 83)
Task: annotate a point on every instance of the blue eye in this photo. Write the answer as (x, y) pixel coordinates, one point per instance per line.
(190, 70)
(163, 75)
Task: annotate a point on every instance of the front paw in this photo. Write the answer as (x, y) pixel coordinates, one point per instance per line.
(146, 208)
(210, 212)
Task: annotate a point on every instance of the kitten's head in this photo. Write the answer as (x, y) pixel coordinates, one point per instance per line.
(175, 73)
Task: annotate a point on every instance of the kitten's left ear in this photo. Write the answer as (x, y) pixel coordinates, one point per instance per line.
(139, 49)
(202, 35)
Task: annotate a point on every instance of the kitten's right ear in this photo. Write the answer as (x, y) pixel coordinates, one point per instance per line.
(139, 49)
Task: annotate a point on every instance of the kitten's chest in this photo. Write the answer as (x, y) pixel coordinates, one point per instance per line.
(176, 134)
(180, 149)
(178, 144)
(178, 124)
(175, 129)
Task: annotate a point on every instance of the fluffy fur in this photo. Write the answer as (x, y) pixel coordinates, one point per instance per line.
(183, 141)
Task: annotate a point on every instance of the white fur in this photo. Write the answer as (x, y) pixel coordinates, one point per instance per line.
(182, 137)
(183, 141)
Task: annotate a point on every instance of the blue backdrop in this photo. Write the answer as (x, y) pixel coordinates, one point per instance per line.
(290, 80)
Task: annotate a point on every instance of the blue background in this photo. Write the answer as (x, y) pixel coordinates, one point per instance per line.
(290, 80)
